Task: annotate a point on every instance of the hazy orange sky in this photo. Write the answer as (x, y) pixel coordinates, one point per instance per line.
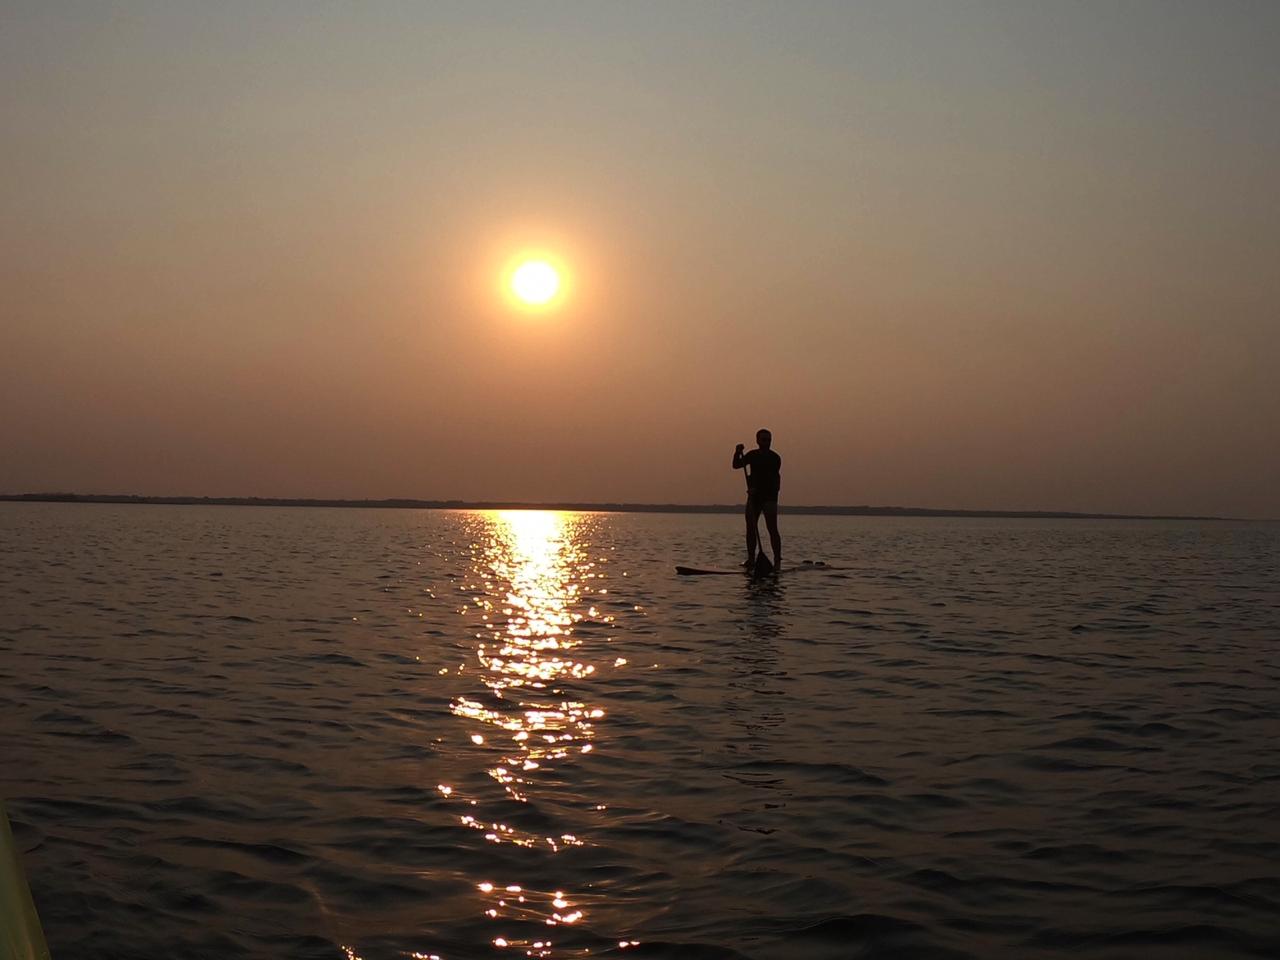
(983, 255)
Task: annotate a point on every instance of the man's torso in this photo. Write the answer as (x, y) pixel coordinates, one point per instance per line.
(764, 474)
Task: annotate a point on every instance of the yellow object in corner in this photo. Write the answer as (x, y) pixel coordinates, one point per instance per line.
(20, 935)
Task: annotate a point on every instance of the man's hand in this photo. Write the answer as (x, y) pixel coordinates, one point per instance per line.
(740, 447)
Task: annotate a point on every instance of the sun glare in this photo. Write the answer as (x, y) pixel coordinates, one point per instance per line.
(535, 282)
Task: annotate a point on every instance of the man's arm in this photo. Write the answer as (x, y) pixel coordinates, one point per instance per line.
(739, 461)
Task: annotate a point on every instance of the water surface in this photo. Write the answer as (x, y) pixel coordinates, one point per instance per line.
(251, 732)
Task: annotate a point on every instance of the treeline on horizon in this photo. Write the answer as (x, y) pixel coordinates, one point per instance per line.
(412, 504)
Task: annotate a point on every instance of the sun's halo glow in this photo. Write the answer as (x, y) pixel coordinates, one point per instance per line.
(535, 282)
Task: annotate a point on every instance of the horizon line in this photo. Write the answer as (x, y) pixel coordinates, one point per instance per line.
(411, 503)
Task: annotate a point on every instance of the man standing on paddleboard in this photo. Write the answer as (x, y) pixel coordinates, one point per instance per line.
(764, 478)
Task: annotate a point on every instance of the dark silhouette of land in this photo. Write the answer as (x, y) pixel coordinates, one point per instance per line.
(408, 504)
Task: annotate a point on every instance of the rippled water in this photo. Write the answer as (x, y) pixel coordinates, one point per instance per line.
(383, 734)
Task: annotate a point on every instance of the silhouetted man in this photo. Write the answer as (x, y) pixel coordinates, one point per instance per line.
(764, 479)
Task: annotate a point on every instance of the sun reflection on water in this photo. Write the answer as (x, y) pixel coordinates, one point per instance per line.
(531, 717)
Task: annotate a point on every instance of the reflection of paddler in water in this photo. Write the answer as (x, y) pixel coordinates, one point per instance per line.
(755, 704)
(763, 468)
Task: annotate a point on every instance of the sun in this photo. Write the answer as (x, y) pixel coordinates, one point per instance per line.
(535, 282)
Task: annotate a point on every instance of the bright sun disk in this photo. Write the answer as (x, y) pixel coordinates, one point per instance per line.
(535, 282)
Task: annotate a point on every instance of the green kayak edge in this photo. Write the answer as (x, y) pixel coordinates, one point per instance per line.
(21, 937)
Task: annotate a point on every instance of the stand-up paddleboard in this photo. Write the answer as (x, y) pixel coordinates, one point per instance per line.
(21, 937)
(747, 572)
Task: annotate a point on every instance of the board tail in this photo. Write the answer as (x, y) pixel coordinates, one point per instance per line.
(20, 935)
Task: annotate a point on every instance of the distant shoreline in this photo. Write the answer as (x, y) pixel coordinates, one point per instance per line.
(409, 504)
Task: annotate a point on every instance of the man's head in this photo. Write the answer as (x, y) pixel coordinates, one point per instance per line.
(763, 439)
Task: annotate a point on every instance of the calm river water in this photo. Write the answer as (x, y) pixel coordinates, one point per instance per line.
(252, 732)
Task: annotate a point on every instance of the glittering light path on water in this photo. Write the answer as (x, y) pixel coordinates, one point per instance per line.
(534, 583)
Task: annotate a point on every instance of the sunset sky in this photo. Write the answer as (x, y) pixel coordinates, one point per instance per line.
(980, 255)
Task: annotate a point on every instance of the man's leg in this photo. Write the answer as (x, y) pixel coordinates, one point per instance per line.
(753, 517)
(775, 538)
